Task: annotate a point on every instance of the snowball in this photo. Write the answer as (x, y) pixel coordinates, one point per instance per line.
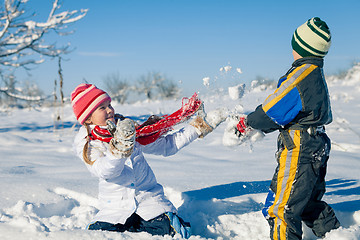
(206, 81)
(236, 92)
(217, 116)
(357, 216)
(230, 139)
(225, 69)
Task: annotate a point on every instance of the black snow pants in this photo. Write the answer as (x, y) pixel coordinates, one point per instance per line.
(298, 186)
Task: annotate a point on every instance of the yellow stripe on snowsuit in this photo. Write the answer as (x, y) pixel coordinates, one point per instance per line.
(293, 79)
(288, 163)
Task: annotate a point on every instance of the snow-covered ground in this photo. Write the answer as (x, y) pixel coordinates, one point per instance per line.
(47, 193)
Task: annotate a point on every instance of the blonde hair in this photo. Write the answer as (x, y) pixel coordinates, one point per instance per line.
(86, 146)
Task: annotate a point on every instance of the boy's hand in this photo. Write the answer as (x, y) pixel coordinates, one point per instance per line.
(242, 126)
(124, 135)
(237, 131)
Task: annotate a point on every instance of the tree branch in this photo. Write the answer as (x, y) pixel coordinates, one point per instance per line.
(18, 35)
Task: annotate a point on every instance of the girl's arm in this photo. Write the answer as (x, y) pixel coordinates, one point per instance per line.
(200, 126)
(105, 165)
(170, 144)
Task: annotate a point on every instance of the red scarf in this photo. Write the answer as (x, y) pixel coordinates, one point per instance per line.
(154, 126)
(104, 135)
(101, 134)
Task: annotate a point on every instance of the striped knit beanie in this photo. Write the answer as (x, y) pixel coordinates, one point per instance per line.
(313, 38)
(85, 99)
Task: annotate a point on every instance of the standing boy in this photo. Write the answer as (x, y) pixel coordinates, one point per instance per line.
(299, 108)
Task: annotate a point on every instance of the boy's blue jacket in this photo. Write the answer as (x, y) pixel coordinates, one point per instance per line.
(301, 99)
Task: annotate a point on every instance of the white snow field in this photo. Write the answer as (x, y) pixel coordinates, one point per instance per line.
(47, 193)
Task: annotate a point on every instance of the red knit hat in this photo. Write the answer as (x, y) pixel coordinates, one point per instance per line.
(85, 99)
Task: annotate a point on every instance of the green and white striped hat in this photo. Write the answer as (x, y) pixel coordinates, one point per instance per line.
(313, 38)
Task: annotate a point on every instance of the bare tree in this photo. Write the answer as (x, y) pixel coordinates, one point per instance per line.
(61, 82)
(117, 87)
(263, 83)
(147, 84)
(167, 89)
(157, 86)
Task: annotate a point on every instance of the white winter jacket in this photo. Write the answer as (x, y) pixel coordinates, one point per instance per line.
(129, 185)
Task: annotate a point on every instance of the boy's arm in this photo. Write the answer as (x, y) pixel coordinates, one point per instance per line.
(259, 120)
(279, 108)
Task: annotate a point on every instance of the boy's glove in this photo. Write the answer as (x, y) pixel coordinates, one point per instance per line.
(237, 131)
(122, 143)
(207, 122)
(242, 128)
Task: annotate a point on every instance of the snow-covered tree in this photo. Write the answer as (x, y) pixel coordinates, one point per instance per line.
(29, 93)
(22, 39)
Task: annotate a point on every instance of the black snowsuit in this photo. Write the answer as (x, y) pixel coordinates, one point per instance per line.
(299, 108)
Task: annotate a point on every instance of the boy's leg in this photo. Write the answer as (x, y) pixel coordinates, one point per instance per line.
(265, 211)
(299, 184)
(292, 184)
(318, 215)
(285, 213)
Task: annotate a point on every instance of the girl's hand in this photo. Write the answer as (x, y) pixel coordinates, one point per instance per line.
(207, 122)
(124, 134)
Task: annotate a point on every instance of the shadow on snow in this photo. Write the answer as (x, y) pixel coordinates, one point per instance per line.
(203, 207)
(344, 187)
(33, 127)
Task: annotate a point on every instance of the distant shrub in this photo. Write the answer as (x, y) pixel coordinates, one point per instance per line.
(262, 84)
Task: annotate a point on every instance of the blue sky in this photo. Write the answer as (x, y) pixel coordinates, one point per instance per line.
(188, 40)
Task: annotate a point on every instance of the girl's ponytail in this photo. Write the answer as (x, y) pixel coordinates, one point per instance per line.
(86, 147)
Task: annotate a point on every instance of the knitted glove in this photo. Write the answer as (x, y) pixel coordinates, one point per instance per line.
(207, 122)
(122, 143)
